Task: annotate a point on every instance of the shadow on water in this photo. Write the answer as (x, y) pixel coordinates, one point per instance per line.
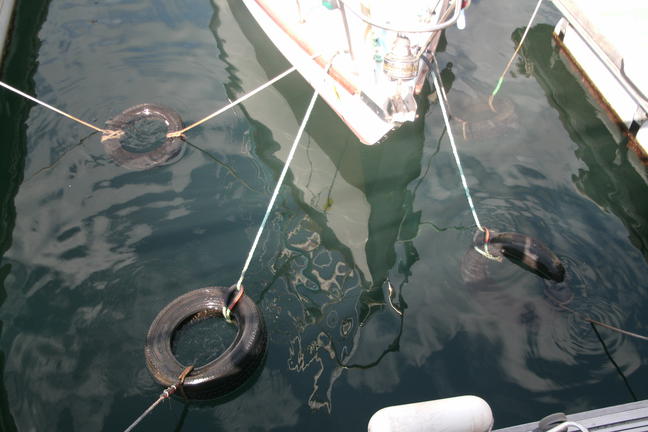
(18, 68)
(348, 225)
(611, 176)
(327, 282)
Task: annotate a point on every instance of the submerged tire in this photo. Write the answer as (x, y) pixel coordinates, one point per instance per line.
(476, 120)
(227, 372)
(168, 152)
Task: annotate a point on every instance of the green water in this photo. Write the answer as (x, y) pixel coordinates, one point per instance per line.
(91, 252)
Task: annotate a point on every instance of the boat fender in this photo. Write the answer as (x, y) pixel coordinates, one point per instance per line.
(524, 251)
(168, 152)
(227, 372)
(457, 414)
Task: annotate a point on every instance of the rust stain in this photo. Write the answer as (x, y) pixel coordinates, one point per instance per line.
(333, 72)
(632, 144)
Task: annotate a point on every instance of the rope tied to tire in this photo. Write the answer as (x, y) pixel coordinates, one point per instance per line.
(118, 148)
(227, 310)
(519, 248)
(484, 251)
(239, 361)
(231, 368)
(443, 102)
(166, 393)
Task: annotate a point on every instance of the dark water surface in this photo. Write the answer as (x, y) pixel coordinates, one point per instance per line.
(363, 275)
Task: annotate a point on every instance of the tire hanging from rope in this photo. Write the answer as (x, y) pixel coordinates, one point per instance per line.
(229, 370)
(232, 368)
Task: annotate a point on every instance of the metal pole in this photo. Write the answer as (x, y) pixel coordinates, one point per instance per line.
(346, 29)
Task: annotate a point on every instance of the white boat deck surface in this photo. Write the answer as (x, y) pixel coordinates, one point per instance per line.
(611, 50)
(300, 38)
(317, 30)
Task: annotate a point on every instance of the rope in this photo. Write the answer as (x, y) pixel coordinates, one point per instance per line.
(166, 393)
(616, 329)
(232, 104)
(598, 323)
(109, 133)
(501, 78)
(442, 101)
(238, 101)
(616, 366)
(291, 154)
(485, 251)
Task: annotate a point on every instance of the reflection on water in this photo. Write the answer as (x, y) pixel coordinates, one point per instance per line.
(365, 275)
(612, 175)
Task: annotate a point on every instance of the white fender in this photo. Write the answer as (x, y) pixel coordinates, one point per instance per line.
(457, 414)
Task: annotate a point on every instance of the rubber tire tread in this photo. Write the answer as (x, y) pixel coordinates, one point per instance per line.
(531, 252)
(227, 372)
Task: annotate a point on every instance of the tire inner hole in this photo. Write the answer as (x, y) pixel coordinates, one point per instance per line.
(144, 134)
(202, 338)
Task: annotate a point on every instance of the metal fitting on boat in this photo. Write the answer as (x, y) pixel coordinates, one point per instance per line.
(399, 63)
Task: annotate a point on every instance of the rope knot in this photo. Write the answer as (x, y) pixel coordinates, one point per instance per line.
(485, 252)
(169, 391)
(227, 310)
(111, 134)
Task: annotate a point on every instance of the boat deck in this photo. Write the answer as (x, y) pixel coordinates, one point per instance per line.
(631, 417)
(306, 25)
(298, 37)
(608, 42)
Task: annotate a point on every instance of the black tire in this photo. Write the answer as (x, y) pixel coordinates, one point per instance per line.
(530, 254)
(227, 372)
(478, 121)
(170, 151)
(525, 251)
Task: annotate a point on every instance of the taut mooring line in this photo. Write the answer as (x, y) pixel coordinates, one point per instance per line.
(284, 171)
(508, 65)
(63, 113)
(166, 394)
(237, 101)
(232, 104)
(442, 101)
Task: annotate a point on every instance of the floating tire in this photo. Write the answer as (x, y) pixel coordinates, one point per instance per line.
(530, 253)
(525, 251)
(477, 120)
(168, 152)
(227, 372)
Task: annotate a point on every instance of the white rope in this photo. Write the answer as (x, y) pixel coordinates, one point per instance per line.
(239, 100)
(291, 154)
(508, 65)
(233, 104)
(442, 101)
(63, 113)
